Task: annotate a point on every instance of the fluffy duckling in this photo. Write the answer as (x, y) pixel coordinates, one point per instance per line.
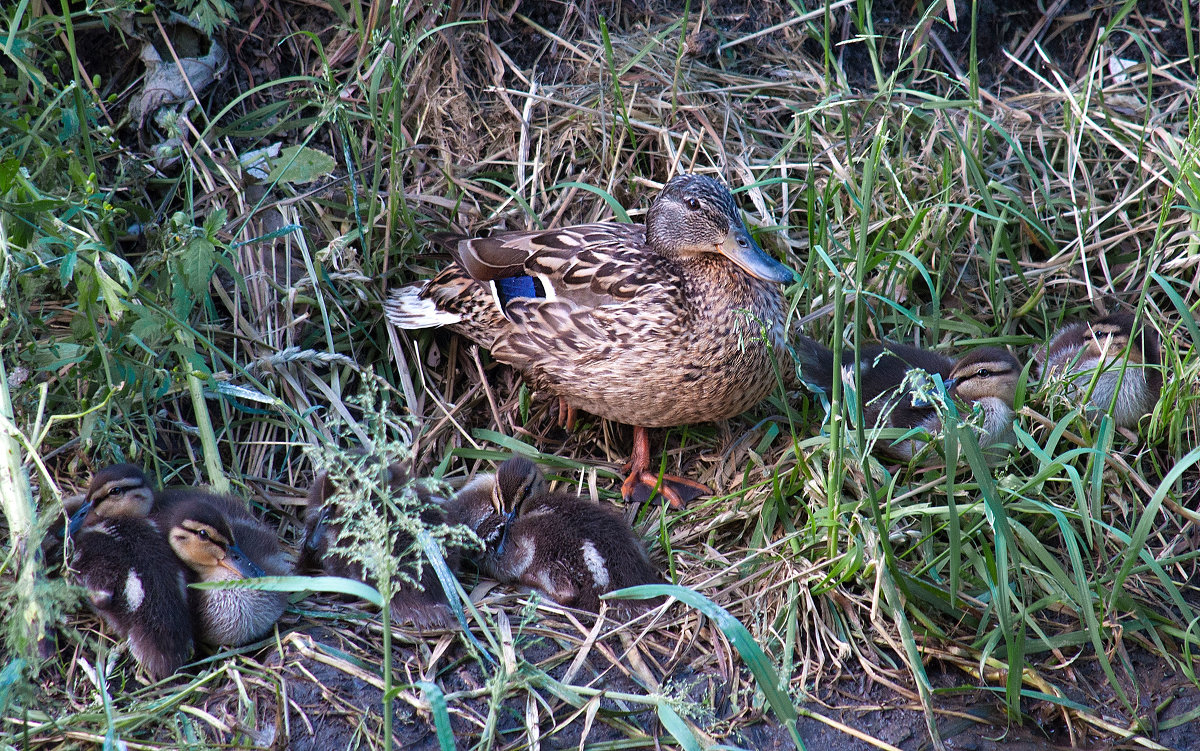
(568, 548)
(1125, 368)
(133, 580)
(219, 540)
(426, 606)
(985, 378)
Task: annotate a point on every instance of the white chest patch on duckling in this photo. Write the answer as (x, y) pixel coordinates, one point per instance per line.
(134, 591)
(596, 564)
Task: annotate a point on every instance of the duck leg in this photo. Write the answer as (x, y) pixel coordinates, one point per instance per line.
(640, 485)
(566, 415)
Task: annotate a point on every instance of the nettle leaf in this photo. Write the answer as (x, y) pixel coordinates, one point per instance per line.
(192, 360)
(8, 172)
(114, 291)
(214, 222)
(50, 356)
(150, 327)
(300, 164)
(66, 270)
(196, 265)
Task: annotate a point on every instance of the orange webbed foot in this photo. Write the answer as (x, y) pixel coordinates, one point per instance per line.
(640, 486)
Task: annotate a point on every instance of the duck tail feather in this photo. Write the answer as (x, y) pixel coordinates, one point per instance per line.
(408, 309)
(816, 364)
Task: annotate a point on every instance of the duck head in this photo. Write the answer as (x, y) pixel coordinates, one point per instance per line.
(204, 541)
(519, 482)
(696, 214)
(119, 491)
(985, 373)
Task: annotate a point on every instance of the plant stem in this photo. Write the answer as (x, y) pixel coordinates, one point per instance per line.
(17, 502)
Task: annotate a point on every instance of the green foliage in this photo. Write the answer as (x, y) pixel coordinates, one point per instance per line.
(372, 509)
(209, 15)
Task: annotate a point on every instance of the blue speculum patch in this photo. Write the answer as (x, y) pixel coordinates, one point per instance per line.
(518, 286)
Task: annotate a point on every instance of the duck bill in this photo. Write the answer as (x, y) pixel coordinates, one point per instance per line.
(506, 522)
(239, 563)
(314, 539)
(76, 521)
(740, 248)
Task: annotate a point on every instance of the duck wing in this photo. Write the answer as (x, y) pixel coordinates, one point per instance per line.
(588, 265)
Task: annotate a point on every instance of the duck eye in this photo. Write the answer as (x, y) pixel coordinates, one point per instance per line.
(692, 203)
(202, 534)
(983, 373)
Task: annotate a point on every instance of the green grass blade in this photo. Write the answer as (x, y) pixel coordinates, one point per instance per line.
(754, 657)
(441, 714)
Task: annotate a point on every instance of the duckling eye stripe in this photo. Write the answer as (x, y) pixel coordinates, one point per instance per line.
(529, 484)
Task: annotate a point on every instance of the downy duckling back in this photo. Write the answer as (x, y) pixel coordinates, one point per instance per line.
(1119, 371)
(568, 548)
(425, 606)
(133, 580)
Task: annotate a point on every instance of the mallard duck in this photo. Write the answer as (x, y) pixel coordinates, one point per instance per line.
(133, 580)
(1119, 371)
(570, 549)
(219, 540)
(425, 606)
(654, 326)
(984, 378)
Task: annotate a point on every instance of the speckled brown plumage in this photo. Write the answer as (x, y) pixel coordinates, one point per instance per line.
(654, 326)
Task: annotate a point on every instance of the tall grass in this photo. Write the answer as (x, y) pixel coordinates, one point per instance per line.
(210, 327)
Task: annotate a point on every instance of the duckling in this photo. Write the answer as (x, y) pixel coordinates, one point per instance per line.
(133, 580)
(426, 606)
(985, 377)
(570, 549)
(1077, 351)
(219, 540)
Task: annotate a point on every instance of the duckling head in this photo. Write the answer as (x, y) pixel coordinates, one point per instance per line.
(696, 214)
(519, 482)
(985, 373)
(1110, 338)
(119, 491)
(204, 541)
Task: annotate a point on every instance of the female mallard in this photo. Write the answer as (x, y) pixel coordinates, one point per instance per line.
(666, 324)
